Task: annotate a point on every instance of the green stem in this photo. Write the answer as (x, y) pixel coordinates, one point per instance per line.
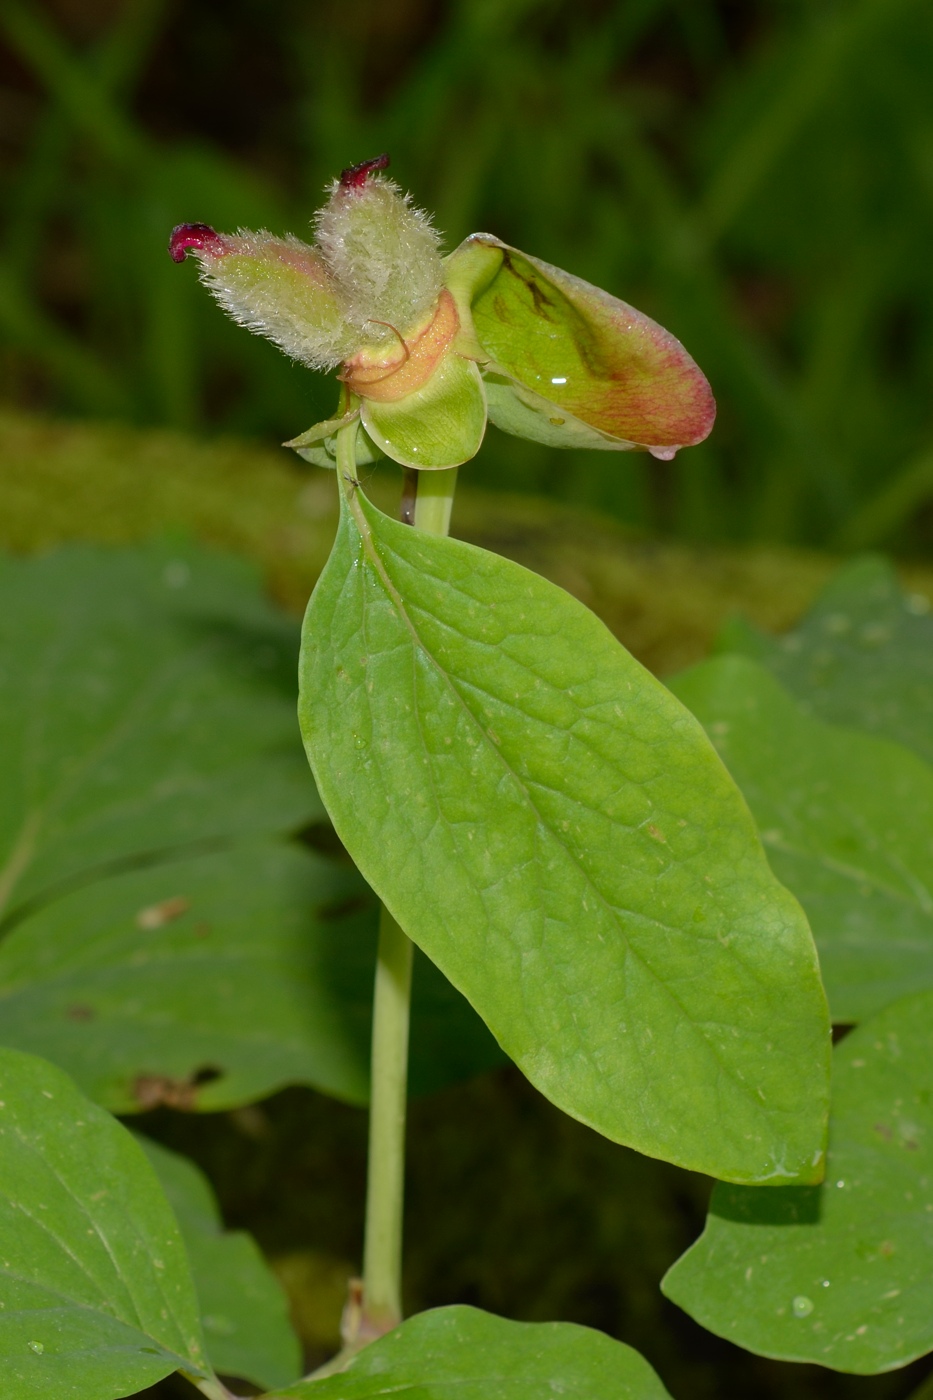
(379, 1309)
(213, 1389)
(434, 500)
(382, 1252)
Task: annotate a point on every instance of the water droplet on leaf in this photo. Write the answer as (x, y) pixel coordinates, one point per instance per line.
(801, 1306)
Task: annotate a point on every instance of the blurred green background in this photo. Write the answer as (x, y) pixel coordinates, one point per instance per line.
(757, 175)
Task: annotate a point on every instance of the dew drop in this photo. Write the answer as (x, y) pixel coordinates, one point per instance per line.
(801, 1306)
(37, 1347)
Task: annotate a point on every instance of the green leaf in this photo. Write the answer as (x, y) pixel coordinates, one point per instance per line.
(552, 827)
(318, 445)
(440, 425)
(328, 429)
(847, 821)
(208, 982)
(98, 1300)
(461, 1353)
(145, 705)
(838, 1274)
(580, 348)
(862, 656)
(244, 1312)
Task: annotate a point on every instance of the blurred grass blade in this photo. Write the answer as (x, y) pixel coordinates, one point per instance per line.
(887, 511)
(93, 383)
(822, 49)
(72, 86)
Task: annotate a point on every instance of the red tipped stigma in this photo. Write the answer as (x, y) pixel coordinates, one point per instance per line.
(200, 237)
(355, 176)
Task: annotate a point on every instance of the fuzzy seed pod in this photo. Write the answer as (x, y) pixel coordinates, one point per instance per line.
(373, 276)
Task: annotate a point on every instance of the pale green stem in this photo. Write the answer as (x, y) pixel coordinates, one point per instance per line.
(382, 1251)
(380, 1308)
(213, 1389)
(434, 500)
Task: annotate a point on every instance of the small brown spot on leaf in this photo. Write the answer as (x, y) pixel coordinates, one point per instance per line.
(79, 1012)
(159, 1090)
(655, 832)
(155, 915)
(884, 1131)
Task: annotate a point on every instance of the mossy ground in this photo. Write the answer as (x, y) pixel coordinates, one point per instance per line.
(511, 1205)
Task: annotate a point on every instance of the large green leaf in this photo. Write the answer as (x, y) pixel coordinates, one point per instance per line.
(555, 830)
(862, 656)
(244, 1312)
(463, 1354)
(839, 1274)
(847, 820)
(210, 981)
(98, 1300)
(145, 703)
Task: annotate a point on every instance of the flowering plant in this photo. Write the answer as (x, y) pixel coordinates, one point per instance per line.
(533, 809)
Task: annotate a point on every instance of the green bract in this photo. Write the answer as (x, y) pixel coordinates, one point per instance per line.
(430, 348)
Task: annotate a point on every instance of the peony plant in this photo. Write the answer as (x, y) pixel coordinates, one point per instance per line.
(537, 812)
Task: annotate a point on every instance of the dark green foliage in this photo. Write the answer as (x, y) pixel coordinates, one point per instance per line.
(754, 176)
(863, 655)
(159, 936)
(514, 1207)
(463, 1354)
(837, 1274)
(244, 1310)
